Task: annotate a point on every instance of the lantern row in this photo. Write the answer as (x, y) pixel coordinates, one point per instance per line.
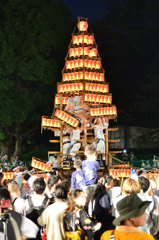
(78, 87)
(106, 99)
(90, 76)
(58, 101)
(38, 164)
(67, 118)
(80, 51)
(104, 111)
(80, 63)
(49, 122)
(83, 39)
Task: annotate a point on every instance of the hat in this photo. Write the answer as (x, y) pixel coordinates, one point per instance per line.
(130, 207)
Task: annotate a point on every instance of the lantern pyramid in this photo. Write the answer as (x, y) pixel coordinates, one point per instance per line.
(82, 75)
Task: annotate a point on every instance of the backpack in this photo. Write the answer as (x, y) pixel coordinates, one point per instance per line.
(34, 212)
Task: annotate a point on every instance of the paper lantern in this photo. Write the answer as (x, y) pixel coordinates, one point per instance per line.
(71, 52)
(80, 39)
(82, 26)
(90, 40)
(75, 40)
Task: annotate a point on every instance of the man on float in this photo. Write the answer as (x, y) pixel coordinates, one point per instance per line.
(66, 140)
(75, 144)
(100, 124)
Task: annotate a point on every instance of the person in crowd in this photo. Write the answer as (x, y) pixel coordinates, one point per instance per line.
(132, 156)
(38, 196)
(76, 218)
(1, 179)
(102, 207)
(52, 216)
(148, 165)
(51, 185)
(18, 226)
(129, 187)
(37, 202)
(17, 202)
(156, 191)
(153, 184)
(77, 176)
(29, 187)
(90, 167)
(100, 124)
(18, 175)
(131, 215)
(151, 217)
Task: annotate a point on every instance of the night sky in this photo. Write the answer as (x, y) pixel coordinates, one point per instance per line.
(91, 9)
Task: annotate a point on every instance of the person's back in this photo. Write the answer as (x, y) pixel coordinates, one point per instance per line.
(17, 202)
(77, 176)
(52, 216)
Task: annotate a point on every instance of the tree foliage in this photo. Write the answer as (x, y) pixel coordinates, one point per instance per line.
(34, 36)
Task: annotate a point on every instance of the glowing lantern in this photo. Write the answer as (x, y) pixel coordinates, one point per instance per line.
(93, 52)
(90, 40)
(80, 63)
(86, 51)
(86, 63)
(80, 39)
(76, 52)
(86, 39)
(89, 63)
(98, 64)
(71, 52)
(82, 26)
(80, 51)
(67, 64)
(75, 40)
(94, 64)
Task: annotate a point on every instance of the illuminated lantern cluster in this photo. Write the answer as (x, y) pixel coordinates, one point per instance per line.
(57, 100)
(107, 99)
(77, 52)
(49, 122)
(95, 87)
(80, 39)
(70, 87)
(67, 118)
(93, 76)
(78, 63)
(72, 76)
(8, 175)
(40, 165)
(120, 172)
(104, 111)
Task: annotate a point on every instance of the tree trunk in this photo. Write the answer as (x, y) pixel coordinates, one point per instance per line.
(18, 146)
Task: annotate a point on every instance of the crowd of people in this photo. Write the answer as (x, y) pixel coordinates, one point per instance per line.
(7, 164)
(84, 207)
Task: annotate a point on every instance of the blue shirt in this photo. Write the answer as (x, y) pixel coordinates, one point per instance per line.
(76, 179)
(90, 169)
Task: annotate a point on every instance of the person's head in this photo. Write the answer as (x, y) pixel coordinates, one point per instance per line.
(68, 184)
(78, 163)
(13, 188)
(53, 181)
(26, 177)
(77, 198)
(104, 183)
(17, 169)
(39, 185)
(144, 183)
(1, 178)
(131, 186)
(131, 211)
(90, 150)
(61, 192)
